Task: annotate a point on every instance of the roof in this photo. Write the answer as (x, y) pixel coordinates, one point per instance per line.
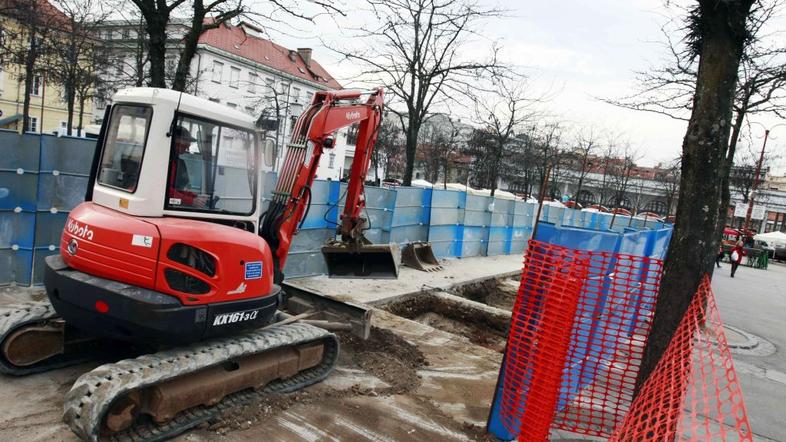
(235, 40)
(186, 103)
(47, 13)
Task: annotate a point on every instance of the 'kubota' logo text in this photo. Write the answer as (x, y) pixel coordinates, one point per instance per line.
(76, 229)
(353, 115)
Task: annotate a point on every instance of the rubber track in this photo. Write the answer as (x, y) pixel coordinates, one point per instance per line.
(92, 394)
(16, 315)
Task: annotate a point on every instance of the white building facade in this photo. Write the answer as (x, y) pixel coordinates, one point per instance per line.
(237, 67)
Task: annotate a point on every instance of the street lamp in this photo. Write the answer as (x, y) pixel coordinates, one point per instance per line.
(756, 176)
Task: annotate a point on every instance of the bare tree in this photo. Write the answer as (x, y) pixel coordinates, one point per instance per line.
(437, 144)
(501, 114)
(718, 32)
(157, 15)
(75, 65)
(414, 49)
(389, 149)
(668, 179)
(669, 90)
(28, 41)
(580, 157)
(622, 172)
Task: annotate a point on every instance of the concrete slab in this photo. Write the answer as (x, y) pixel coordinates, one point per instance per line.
(377, 291)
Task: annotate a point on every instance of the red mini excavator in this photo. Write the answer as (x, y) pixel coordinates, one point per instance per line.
(173, 250)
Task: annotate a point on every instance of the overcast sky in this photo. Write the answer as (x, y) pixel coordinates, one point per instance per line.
(580, 50)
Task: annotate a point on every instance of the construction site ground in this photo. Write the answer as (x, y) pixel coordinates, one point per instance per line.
(428, 372)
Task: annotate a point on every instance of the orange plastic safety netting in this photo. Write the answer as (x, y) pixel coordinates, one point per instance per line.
(577, 337)
(694, 393)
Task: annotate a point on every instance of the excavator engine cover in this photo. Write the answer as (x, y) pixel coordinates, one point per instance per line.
(420, 256)
(371, 261)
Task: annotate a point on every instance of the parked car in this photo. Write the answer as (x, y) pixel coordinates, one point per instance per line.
(779, 253)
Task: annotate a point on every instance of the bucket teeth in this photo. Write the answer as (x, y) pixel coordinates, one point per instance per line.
(420, 256)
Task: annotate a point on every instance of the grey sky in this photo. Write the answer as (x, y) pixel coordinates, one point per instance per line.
(577, 49)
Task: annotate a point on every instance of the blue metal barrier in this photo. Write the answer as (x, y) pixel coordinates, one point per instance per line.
(591, 349)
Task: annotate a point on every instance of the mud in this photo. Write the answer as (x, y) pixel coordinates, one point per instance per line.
(500, 293)
(453, 318)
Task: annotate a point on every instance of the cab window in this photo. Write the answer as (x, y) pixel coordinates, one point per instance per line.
(124, 147)
(212, 167)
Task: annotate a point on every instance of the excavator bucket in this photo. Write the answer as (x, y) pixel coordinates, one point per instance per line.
(372, 261)
(419, 255)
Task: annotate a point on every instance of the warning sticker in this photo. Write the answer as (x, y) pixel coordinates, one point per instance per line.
(142, 241)
(254, 270)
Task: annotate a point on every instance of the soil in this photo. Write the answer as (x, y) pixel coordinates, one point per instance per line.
(386, 356)
(500, 293)
(453, 318)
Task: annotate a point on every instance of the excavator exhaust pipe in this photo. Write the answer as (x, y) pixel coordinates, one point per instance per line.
(369, 261)
(420, 256)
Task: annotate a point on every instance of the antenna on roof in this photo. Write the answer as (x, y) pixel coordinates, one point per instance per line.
(174, 117)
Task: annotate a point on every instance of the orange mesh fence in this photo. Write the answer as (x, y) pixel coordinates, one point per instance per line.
(578, 332)
(694, 393)
(537, 343)
(575, 345)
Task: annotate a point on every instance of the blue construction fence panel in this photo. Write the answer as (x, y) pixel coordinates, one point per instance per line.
(42, 178)
(597, 232)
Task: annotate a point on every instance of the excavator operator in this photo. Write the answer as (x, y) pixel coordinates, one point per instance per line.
(179, 182)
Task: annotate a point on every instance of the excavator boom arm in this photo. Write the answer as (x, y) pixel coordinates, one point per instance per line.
(315, 131)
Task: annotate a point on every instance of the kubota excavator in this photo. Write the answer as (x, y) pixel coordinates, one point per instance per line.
(172, 249)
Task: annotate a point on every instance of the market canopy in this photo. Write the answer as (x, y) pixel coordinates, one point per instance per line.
(772, 238)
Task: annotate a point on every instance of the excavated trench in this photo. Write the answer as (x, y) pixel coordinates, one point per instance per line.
(443, 311)
(495, 292)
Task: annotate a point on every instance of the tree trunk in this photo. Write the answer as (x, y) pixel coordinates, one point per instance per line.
(79, 129)
(156, 31)
(190, 43)
(694, 243)
(30, 60)
(410, 149)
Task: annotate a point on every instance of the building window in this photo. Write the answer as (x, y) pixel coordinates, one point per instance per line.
(35, 88)
(126, 33)
(232, 105)
(218, 70)
(33, 124)
(214, 100)
(295, 95)
(249, 110)
(331, 160)
(252, 82)
(292, 122)
(234, 77)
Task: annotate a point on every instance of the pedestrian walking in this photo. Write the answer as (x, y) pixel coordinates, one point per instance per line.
(719, 256)
(735, 256)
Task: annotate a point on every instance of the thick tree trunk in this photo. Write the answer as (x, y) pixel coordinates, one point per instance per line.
(189, 51)
(156, 31)
(694, 243)
(411, 147)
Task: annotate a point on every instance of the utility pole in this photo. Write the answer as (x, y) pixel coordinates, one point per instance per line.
(752, 197)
